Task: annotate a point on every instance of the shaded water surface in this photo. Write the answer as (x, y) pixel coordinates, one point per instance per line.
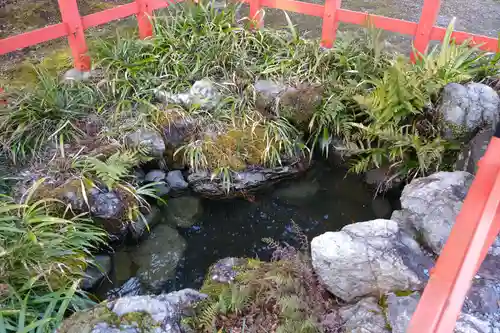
(325, 199)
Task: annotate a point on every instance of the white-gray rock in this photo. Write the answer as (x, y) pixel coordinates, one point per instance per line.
(366, 316)
(175, 180)
(183, 211)
(75, 75)
(468, 108)
(434, 203)
(157, 314)
(369, 258)
(157, 257)
(203, 94)
(148, 139)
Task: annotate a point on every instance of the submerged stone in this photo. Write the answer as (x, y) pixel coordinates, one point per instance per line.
(183, 211)
(98, 270)
(157, 257)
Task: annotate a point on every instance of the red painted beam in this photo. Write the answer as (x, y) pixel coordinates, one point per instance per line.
(158, 4)
(473, 233)
(34, 37)
(108, 15)
(330, 22)
(295, 6)
(428, 18)
(486, 43)
(380, 22)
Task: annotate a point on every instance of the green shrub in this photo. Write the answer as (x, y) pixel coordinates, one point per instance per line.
(47, 113)
(44, 250)
(283, 296)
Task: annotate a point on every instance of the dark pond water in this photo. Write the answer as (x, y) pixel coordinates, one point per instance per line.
(324, 199)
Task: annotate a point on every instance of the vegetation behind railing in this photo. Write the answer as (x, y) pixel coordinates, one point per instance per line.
(73, 25)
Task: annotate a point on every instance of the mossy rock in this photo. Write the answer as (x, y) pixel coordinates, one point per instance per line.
(86, 321)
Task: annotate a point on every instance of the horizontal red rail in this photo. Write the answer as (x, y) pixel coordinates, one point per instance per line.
(34, 37)
(116, 13)
(343, 15)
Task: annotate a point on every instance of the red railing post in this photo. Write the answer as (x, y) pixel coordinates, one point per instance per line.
(144, 14)
(256, 14)
(428, 18)
(330, 23)
(76, 35)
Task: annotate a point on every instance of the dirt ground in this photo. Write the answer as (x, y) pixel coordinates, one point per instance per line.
(16, 16)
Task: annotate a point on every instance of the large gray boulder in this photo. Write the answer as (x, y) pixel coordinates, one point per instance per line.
(400, 309)
(136, 314)
(471, 154)
(296, 103)
(466, 108)
(242, 182)
(431, 205)
(366, 316)
(157, 257)
(146, 138)
(369, 258)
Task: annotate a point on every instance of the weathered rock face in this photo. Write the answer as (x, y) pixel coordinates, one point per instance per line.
(149, 139)
(466, 108)
(203, 93)
(183, 211)
(225, 270)
(295, 103)
(157, 257)
(433, 203)
(474, 151)
(136, 314)
(175, 181)
(298, 190)
(401, 308)
(369, 258)
(131, 287)
(143, 225)
(244, 181)
(366, 316)
(96, 272)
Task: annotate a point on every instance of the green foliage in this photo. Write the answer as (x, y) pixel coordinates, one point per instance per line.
(111, 170)
(47, 113)
(44, 251)
(395, 125)
(282, 295)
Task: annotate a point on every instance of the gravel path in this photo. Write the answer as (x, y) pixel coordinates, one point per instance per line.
(475, 16)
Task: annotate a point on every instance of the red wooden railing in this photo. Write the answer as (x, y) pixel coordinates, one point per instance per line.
(73, 25)
(479, 221)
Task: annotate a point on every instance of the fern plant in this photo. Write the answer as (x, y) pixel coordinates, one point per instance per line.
(113, 169)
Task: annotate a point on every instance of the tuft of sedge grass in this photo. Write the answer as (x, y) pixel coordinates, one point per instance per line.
(44, 254)
(47, 113)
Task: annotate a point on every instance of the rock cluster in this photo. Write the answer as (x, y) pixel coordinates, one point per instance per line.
(380, 267)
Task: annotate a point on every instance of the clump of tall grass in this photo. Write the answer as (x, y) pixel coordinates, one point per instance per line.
(44, 250)
(46, 113)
